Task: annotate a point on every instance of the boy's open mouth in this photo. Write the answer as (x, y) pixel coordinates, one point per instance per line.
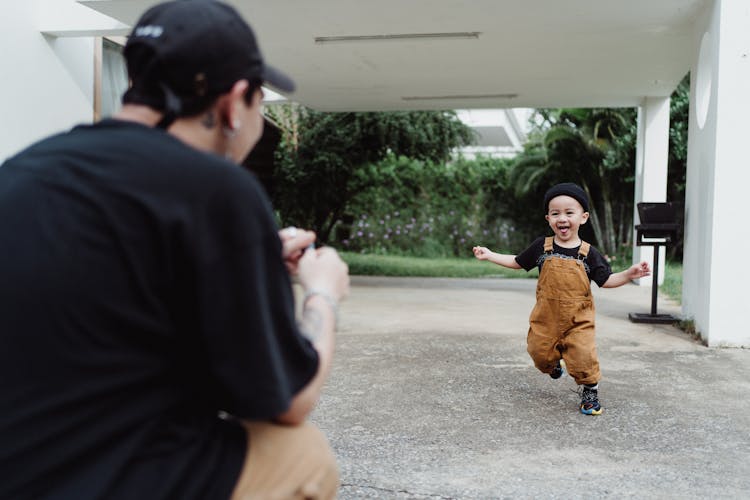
(563, 229)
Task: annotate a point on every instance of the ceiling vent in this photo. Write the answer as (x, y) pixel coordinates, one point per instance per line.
(459, 35)
(458, 97)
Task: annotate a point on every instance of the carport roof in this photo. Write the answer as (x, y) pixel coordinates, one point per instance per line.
(451, 54)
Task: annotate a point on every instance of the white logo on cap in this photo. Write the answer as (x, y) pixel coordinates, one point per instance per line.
(149, 31)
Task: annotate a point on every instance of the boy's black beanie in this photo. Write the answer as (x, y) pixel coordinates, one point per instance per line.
(567, 189)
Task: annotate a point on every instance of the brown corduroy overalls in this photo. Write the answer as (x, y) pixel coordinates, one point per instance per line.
(562, 321)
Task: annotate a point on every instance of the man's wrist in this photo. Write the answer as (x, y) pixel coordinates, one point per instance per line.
(327, 298)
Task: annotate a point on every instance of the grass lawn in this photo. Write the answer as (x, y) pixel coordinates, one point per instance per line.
(449, 267)
(672, 286)
(469, 267)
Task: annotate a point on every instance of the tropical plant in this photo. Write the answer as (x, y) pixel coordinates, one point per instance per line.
(581, 145)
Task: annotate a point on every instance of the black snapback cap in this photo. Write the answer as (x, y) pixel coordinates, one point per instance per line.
(187, 49)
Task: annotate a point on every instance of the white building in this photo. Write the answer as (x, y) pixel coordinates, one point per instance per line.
(500, 133)
(484, 54)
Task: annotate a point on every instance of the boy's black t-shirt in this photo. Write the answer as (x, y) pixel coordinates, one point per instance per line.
(597, 268)
(143, 298)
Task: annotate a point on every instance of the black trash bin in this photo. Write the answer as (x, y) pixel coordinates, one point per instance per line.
(658, 228)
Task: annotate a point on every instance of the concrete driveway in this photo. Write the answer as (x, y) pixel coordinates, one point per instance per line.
(433, 396)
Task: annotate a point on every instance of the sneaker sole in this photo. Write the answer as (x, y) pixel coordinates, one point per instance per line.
(562, 371)
(592, 411)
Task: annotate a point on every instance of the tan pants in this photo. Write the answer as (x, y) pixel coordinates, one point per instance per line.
(287, 462)
(562, 321)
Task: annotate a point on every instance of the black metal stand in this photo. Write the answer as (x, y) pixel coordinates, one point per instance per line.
(653, 317)
(658, 224)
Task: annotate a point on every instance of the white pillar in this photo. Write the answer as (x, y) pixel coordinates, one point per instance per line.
(717, 195)
(651, 161)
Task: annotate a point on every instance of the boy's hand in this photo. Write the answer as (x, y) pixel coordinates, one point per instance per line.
(639, 270)
(481, 253)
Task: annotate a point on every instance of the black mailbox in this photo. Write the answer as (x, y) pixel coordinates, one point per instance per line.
(658, 227)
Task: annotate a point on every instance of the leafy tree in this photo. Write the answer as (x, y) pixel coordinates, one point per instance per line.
(586, 146)
(322, 156)
(679, 108)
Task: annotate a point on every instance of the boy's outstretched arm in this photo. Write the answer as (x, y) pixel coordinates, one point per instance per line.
(505, 260)
(632, 273)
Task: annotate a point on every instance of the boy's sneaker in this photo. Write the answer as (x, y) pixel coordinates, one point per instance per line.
(558, 371)
(590, 401)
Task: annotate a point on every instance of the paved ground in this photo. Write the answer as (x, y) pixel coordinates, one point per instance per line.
(433, 396)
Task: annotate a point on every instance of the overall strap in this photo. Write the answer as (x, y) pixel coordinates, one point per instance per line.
(548, 244)
(584, 250)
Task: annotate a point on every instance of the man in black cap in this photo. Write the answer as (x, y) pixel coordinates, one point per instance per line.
(561, 326)
(149, 342)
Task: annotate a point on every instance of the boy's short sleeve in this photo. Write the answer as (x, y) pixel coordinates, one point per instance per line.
(529, 257)
(599, 268)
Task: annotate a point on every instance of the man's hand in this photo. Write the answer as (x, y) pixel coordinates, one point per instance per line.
(322, 269)
(294, 242)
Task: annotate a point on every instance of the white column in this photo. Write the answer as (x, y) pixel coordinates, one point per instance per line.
(717, 195)
(651, 161)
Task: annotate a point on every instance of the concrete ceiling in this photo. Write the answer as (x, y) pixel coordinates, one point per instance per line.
(514, 53)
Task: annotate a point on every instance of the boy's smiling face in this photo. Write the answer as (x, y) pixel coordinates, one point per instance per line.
(565, 215)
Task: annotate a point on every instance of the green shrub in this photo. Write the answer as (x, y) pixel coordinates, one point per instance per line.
(405, 206)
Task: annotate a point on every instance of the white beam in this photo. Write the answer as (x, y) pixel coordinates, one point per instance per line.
(69, 18)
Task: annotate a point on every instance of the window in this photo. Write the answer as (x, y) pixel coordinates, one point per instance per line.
(111, 78)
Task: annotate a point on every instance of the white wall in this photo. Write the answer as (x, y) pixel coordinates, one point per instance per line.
(48, 82)
(716, 238)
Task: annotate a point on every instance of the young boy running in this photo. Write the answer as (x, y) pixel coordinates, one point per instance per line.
(562, 321)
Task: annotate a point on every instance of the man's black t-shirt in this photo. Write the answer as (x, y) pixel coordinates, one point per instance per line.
(143, 298)
(597, 268)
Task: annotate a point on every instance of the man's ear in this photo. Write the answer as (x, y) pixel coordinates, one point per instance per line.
(231, 103)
